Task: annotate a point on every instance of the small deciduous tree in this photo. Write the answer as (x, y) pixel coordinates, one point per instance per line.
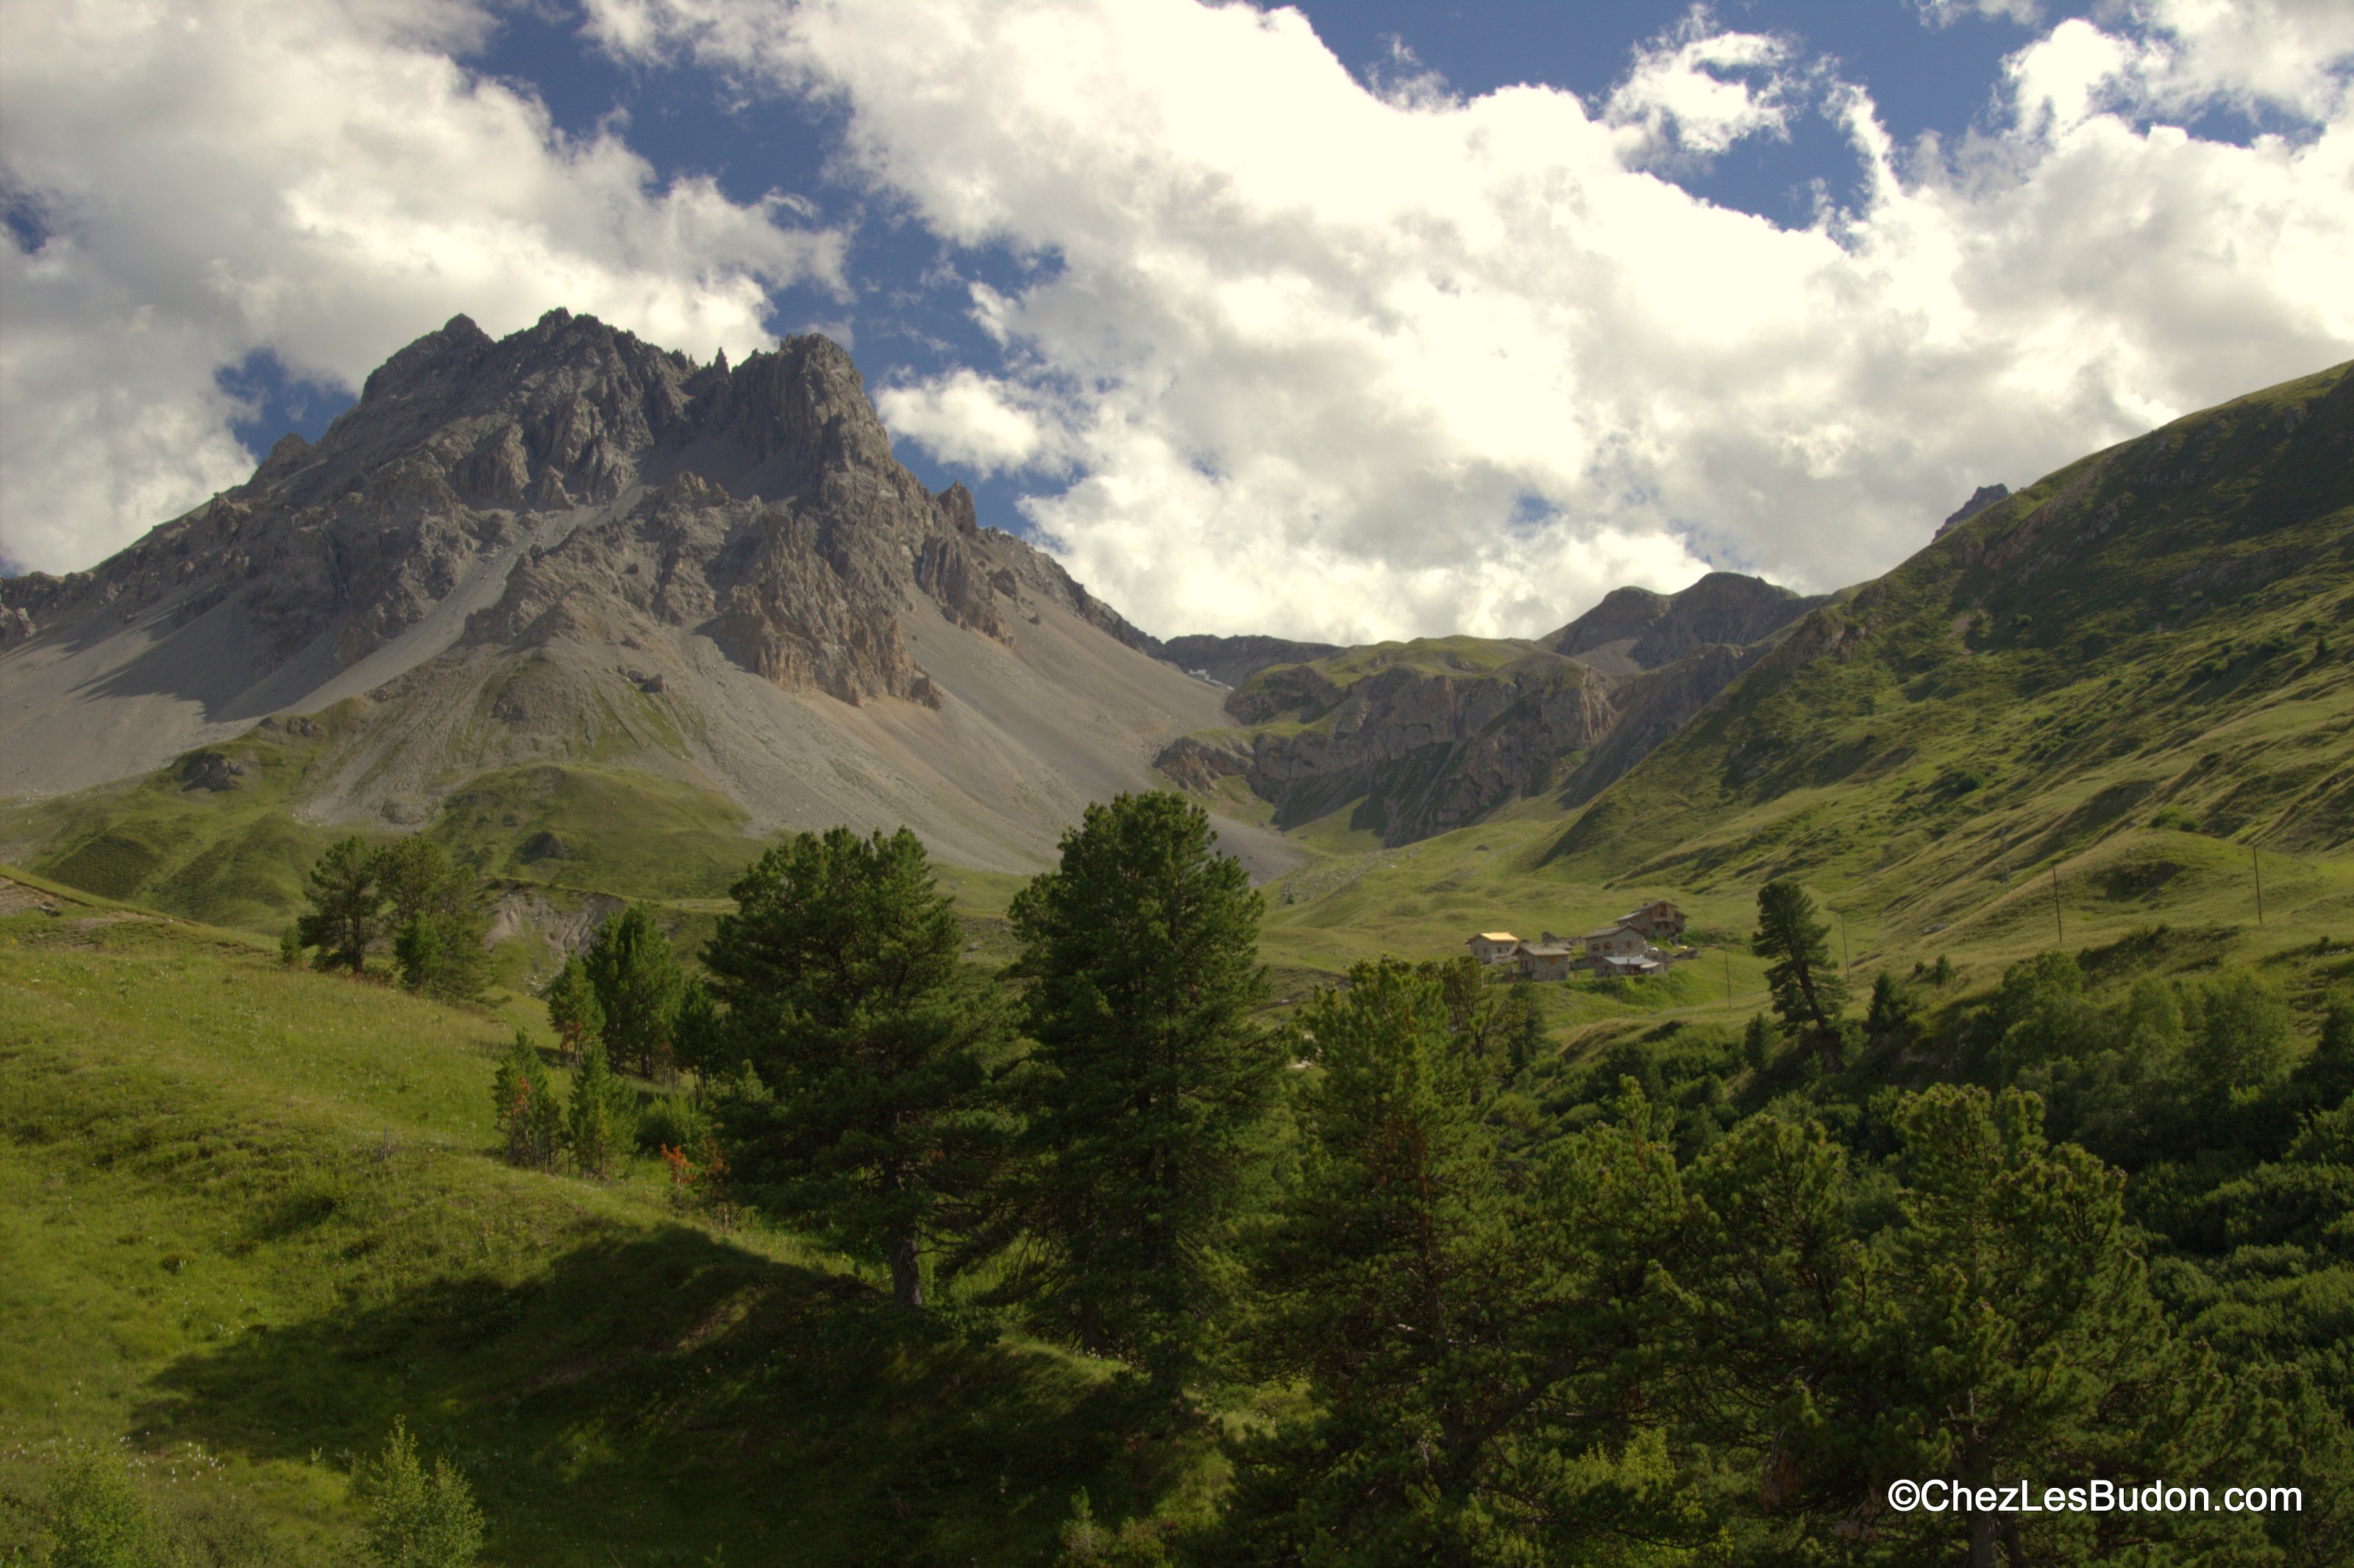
(417, 1517)
(1808, 989)
(1139, 967)
(96, 1518)
(637, 979)
(2240, 1035)
(346, 909)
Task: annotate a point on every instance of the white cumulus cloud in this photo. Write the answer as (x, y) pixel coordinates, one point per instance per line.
(1315, 358)
(964, 418)
(320, 181)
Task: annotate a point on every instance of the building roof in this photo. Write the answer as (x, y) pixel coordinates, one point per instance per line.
(1538, 950)
(1598, 936)
(1492, 937)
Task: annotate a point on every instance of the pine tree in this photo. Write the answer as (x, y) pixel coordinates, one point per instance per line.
(596, 1122)
(1808, 989)
(637, 979)
(347, 906)
(1458, 1319)
(1520, 1021)
(440, 928)
(2005, 1328)
(1139, 962)
(418, 1519)
(1893, 1016)
(842, 983)
(290, 946)
(573, 1010)
(523, 1097)
(1757, 1042)
(1389, 1281)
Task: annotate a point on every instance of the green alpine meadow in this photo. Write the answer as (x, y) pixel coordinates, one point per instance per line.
(689, 1005)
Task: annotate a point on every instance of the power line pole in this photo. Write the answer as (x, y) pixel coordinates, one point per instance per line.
(2057, 924)
(1845, 964)
(1728, 979)
(2257, 860)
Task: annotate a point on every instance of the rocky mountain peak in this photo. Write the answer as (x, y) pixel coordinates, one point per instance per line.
(1984, 497)
(1635, 629)
(610, 483)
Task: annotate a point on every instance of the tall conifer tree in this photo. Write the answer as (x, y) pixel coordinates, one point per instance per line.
(1139, 963)
(573, 1010)
(346, 909)
(1807, 987)
(842, 984)
(637, 979)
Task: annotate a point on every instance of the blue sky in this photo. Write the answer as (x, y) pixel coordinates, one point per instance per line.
(1926, 76)
(1582, 294)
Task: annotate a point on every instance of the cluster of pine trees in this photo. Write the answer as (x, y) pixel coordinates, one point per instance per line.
(619, 1002)
(1441, 1297)
(410, 893)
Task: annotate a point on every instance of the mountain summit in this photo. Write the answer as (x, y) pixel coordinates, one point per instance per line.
(569, 547)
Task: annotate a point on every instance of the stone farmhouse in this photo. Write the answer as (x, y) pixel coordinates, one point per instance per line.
(1659, 920)
(1629, 946)
(1493, 947)
(1616, 942)
(1550, 959)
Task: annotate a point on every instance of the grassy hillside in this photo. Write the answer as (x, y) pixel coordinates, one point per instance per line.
(248, 1215)
(2158, 635)
(223, 836)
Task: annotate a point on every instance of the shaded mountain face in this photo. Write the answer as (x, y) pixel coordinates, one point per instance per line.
(571, 545)
(1231, 661)
(1634, 628)
(1984, 497)
(1420, 738)
(2159, 636)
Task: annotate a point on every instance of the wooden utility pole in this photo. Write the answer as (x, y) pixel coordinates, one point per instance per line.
(1845, 964)
(2058, 926)
(2257, 860)
(1728, 979)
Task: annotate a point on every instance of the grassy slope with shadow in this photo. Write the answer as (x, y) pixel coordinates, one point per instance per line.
(2169, 624)
(248, 1214)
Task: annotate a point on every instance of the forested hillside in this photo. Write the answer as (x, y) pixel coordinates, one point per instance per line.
(834, 1236)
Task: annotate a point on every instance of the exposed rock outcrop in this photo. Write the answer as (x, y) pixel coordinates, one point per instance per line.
(1231, 661)
(1421, 753)
(1984, 497)
(770, 513)
(1422, 750)
(569, 549)
(1634, 628)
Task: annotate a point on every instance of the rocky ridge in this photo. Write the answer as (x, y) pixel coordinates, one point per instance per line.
(766, 508)
(569, 547)
(1422, 750)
